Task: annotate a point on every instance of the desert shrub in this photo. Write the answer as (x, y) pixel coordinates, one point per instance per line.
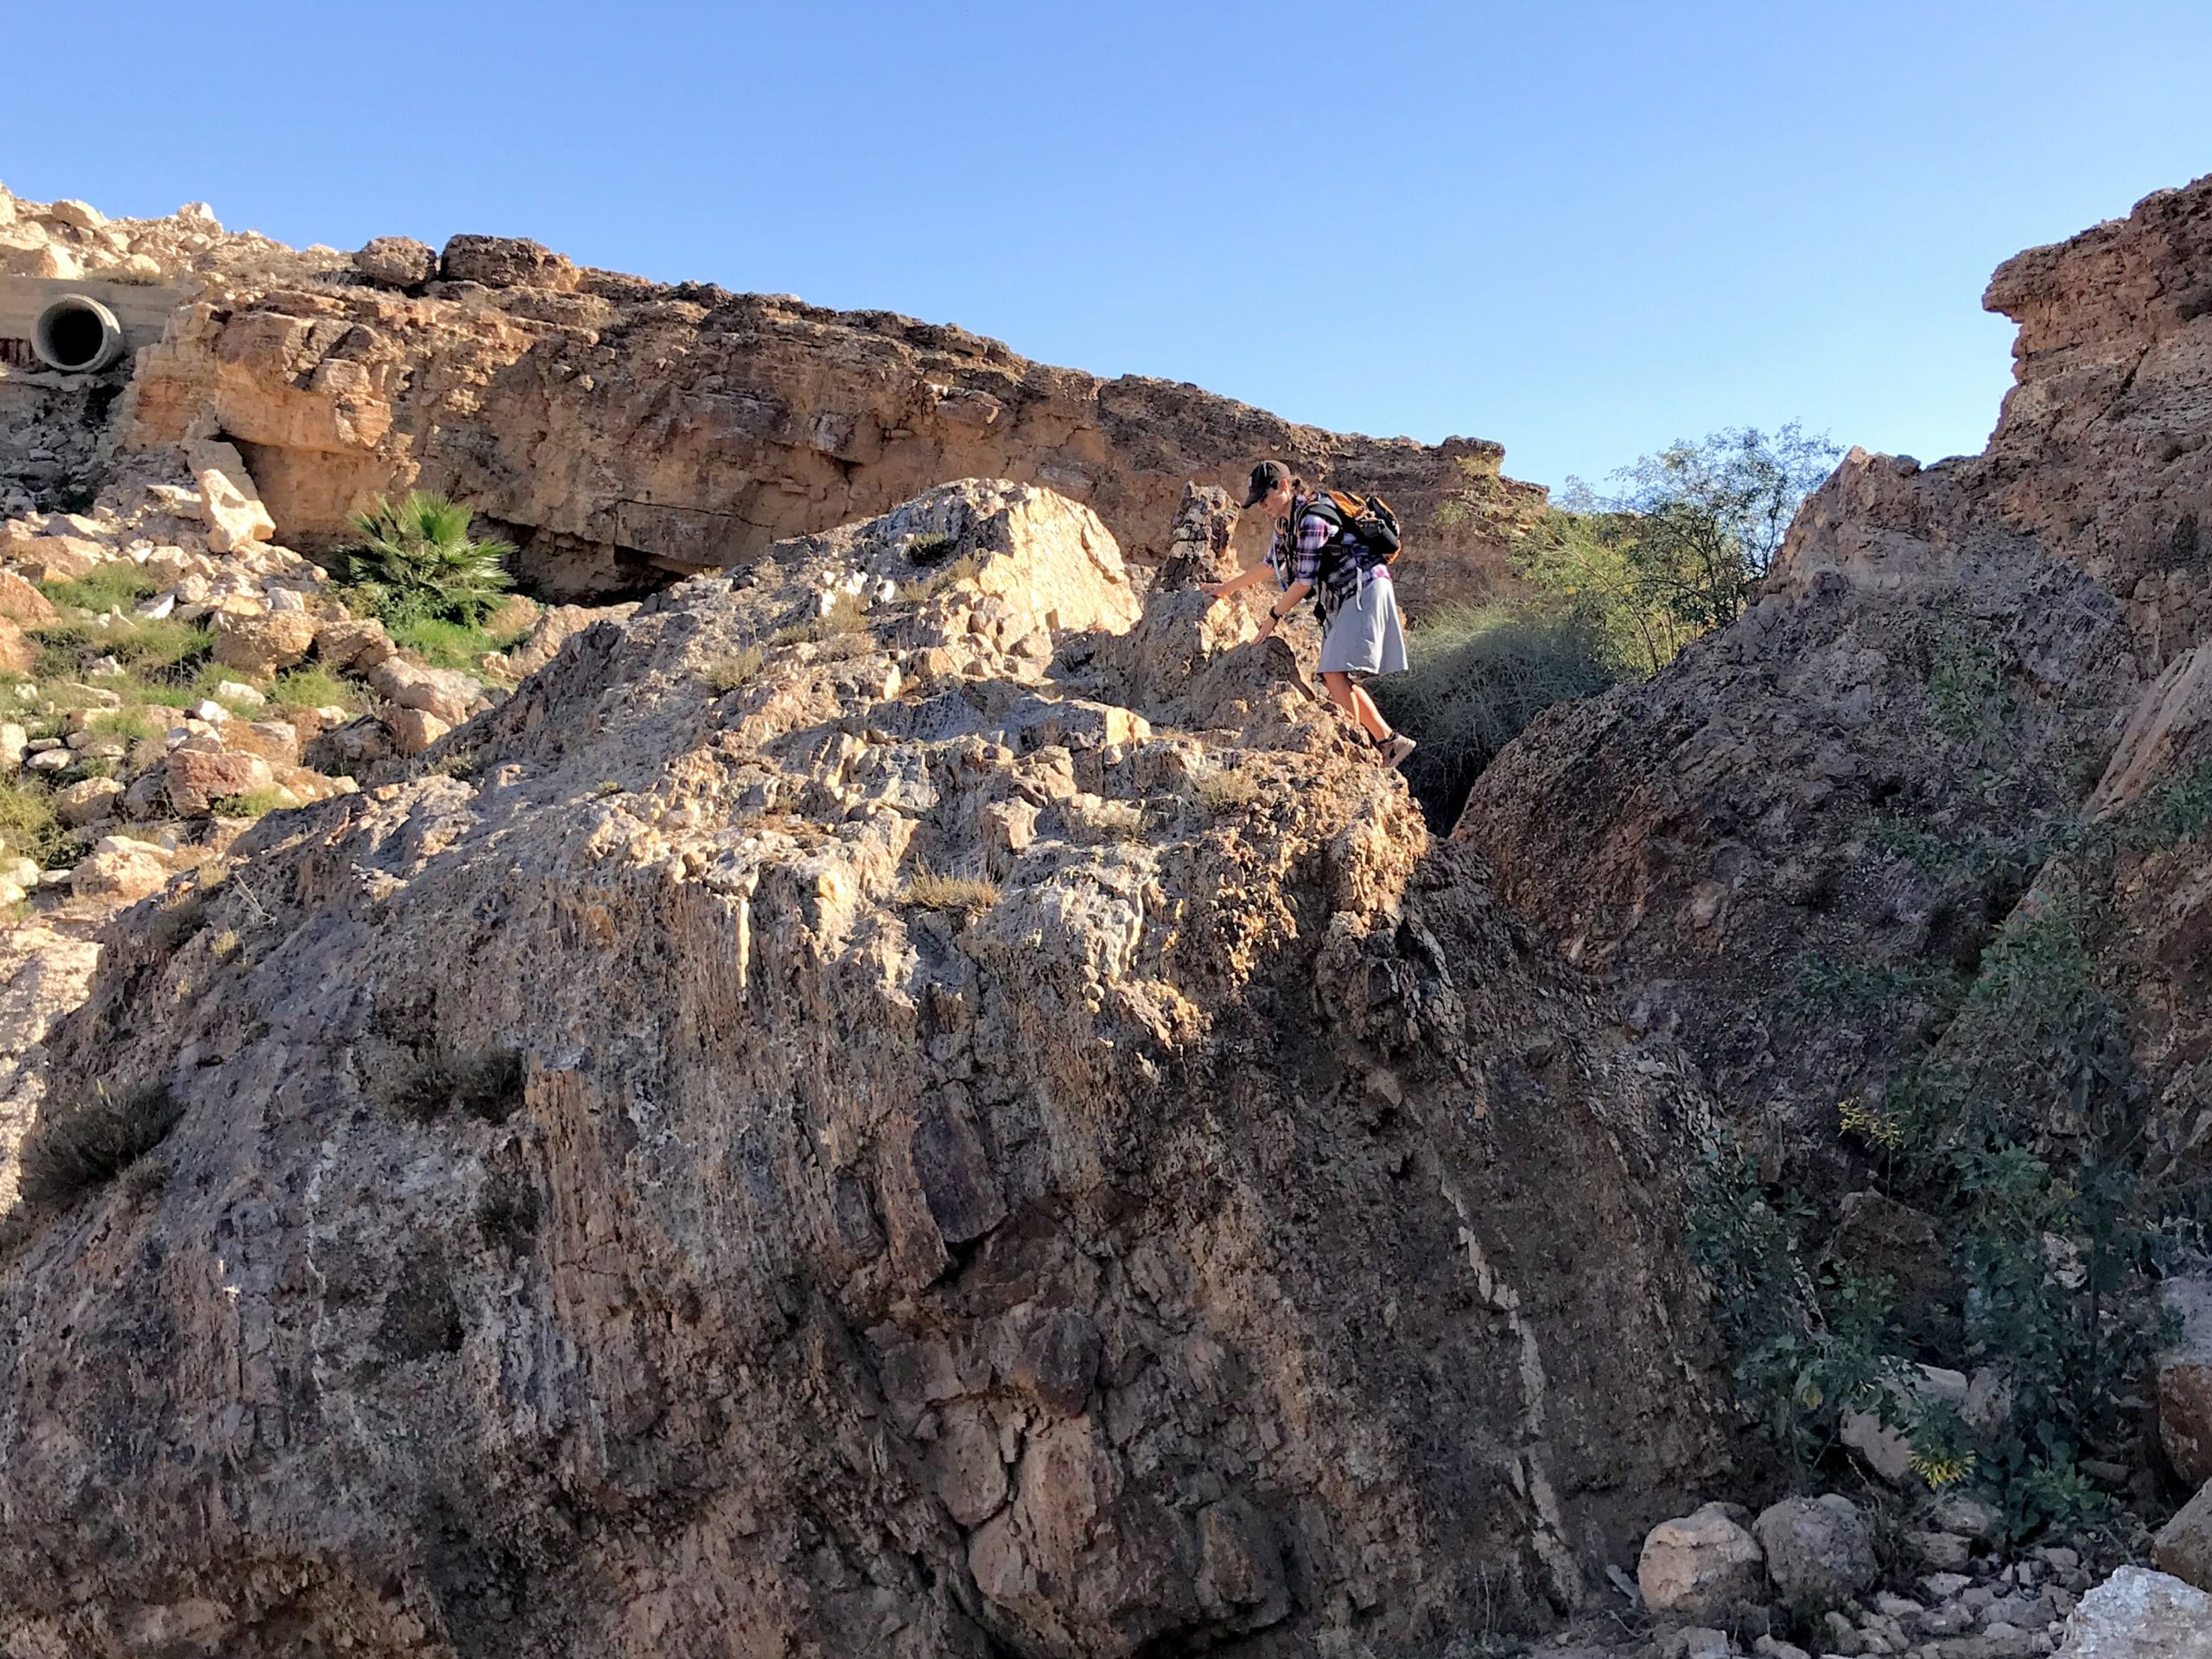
(1675, 550)
(1967, 695)
(964, 895)
(28, 827)
(444, 643)
(844, 617)
(416, 562)
(930, 549)
(118, 584)
(943, 576)
(1476, 676)
(76, 1145)
(731, 670)
(486, 1083)
(1222, 793)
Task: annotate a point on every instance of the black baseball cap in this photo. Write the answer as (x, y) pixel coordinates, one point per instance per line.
(1267, 478)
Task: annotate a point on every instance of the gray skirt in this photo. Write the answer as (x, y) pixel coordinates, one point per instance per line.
(1364, 637)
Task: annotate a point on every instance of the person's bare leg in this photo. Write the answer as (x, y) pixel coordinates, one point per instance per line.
(1352, 698)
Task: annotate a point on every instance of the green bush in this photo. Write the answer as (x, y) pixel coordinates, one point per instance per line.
(76, 1145)
(161, 649)
(444, 643)
(313, 687)
(1475, 677)
(416, 563)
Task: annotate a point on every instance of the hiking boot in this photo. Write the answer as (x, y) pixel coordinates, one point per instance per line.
(1394, 750)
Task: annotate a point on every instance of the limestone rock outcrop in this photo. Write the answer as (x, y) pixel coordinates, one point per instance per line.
(623, 432)
(832, 1122)
(1792, 844)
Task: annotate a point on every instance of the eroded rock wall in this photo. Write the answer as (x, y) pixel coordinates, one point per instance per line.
(836, 1121)
(1794, 843)
(625, 431)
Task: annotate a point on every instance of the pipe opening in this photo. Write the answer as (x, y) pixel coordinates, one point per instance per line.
(77, 335)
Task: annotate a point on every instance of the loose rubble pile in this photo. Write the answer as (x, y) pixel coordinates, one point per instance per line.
(1803, 1579)
(65, 239)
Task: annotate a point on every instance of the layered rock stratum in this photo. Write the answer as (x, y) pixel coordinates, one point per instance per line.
(901, 1101)
(623, 430)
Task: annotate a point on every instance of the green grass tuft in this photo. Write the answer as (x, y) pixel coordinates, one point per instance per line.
(76, 1145)
(733, 669)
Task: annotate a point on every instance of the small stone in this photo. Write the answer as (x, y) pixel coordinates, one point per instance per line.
(1941, 1586)
(1891, 1606)
(1945, 1551)
(238, 691)
(1818, 1550)
(1701, 1565)
(53, 759)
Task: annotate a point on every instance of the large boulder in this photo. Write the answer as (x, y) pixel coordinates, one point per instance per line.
(2139, 1614)
(120, 870)
(1820, 1551)
(507, 262)
(2184, 1380)
(228, 500)
(649, 1188)
(262, 644)
(2184, 1546)
(22, 603)
(446, 694)
(194, 779)
(1702, 1567)
(18, 651)
(395, 262)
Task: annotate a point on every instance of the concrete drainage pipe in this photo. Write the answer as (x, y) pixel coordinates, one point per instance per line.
(77, 335)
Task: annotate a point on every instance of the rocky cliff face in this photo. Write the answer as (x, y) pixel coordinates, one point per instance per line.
(901, 1101)
(625, 430)
(1959, 678)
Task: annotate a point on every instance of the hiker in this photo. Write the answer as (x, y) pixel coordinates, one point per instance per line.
(1318, 543)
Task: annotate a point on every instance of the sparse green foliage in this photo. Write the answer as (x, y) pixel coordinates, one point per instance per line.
(2178, 810)
(1475, 677)
(253, 804)
(418, 563)
(444, 643)
(1674, 553)
(313, 687)
(1966, 685)
(731, 670)
(163, 649)
(609, 787)
(28, 827)
(963, 895)
(117, 585)
(79, 1144)
(1826, 987)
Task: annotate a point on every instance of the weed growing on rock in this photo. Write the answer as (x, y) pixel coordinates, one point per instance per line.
(843, 617)
(28, 827)
(2179, 810)
(313, 687)
(948, 575)
(254, 803)
(733, 669)
(78, 1145)
(117, 585)
(960, 894)
(485, 1083)
(1226, 794)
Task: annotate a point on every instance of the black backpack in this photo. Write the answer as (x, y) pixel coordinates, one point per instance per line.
(1367, 521)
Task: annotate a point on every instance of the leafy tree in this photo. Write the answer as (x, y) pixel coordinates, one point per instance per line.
(416, 563)
(1676, 551)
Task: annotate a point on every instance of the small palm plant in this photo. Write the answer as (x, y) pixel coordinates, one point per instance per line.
(416, 562)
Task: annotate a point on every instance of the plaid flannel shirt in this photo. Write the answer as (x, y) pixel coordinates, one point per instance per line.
(1299, 559)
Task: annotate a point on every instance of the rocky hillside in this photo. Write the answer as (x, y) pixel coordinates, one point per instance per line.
(902, 1101)
(623, 431)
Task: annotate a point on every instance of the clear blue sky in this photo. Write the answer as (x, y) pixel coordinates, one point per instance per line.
(1582, 230)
